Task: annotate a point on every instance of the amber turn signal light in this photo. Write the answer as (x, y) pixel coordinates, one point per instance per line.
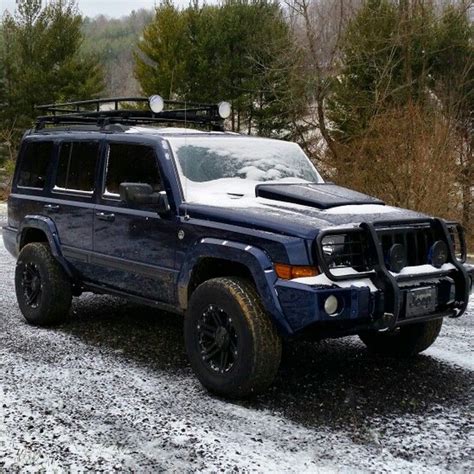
(288, 272)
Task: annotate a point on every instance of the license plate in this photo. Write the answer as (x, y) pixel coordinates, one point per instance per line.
(421, 301)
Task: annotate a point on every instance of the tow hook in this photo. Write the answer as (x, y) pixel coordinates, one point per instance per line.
(385, 322)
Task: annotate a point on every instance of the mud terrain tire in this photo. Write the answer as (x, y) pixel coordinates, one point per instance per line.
(43, 289)
(235, 305)
(406, 341)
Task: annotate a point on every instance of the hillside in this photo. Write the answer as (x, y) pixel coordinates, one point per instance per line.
(113, 41)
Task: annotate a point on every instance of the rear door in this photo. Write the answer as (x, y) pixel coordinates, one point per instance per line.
(134, 248)
(71, 202)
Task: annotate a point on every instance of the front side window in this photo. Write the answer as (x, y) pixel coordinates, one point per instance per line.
(129, 163)
(34, 164)
(76, 166)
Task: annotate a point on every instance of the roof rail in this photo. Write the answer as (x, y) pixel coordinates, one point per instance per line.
(131, 111)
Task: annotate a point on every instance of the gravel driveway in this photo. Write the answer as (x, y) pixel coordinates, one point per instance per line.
(111, 389)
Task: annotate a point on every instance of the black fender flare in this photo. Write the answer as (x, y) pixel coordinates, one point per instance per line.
(48, 227)
(257, 262)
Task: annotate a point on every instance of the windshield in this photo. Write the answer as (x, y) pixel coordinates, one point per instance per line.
(233, 166)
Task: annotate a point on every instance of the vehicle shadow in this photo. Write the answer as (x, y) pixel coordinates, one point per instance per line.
(332, 383)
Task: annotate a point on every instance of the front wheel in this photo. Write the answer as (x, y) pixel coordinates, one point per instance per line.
(232, 345)
(405, 341)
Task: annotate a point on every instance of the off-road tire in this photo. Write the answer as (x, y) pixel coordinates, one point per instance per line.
(258, 343)
(405, 341)
(56, 293)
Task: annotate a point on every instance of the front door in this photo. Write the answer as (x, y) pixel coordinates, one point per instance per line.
(134, 248)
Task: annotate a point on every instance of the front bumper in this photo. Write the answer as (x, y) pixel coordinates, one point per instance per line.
(364, 307)
(378, 299)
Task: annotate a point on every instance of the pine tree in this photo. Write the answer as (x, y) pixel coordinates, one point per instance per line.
(236, 51)
(42, 59)
(387, 54)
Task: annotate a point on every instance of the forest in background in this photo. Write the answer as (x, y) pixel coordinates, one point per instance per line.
(379, 93)
(113, 41)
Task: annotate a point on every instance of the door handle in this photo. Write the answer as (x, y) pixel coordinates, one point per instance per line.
(51, 207)
(105, 216)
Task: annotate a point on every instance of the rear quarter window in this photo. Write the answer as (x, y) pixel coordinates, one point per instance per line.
(34, 164)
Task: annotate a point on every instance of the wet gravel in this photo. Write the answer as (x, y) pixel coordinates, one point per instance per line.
(111, 389)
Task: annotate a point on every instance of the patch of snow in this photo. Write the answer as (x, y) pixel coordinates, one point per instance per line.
(325, 281)
(424, 269)
(362, 209)
(231, 192)
(464, 360)
(455, 346)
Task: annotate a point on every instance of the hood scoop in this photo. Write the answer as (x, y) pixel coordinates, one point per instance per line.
(320, 195)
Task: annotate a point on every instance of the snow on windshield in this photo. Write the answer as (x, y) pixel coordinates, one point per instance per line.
(231, 167)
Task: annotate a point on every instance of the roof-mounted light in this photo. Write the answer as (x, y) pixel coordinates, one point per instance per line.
(225, 110)
(157, 104)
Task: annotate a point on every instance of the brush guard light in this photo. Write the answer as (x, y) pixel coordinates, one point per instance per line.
(438, 254)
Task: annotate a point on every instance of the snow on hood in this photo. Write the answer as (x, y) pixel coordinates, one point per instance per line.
(238, 204)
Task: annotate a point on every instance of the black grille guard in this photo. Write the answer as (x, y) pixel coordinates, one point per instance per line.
(381, 276)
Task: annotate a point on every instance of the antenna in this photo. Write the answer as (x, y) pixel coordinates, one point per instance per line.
(186, 215)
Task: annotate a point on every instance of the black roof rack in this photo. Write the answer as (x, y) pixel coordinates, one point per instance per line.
(103, 112)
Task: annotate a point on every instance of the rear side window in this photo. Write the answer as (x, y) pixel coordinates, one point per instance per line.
(76, 166)
(131, 164)
(34, 164)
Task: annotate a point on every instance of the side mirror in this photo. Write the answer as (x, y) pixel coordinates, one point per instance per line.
(142, 193)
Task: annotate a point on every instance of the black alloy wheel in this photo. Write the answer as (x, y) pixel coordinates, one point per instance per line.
(217, 339)
(232, 344)
(43, 289)
(31, 284)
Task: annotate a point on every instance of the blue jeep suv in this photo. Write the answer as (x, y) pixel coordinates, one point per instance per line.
(239, 234)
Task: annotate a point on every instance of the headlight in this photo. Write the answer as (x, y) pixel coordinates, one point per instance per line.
(345, 250)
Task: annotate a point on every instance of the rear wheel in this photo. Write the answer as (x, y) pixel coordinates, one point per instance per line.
(232, 345)
(43, 289)
(405, 341)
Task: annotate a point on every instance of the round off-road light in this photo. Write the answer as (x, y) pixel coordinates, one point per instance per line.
(397, 258)
(157, 104)
(225, 110)
(438, 254)
(331, 305)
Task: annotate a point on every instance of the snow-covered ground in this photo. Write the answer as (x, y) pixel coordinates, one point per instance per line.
(111, 389)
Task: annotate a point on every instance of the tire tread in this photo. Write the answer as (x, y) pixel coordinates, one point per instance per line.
(56, 309)
(410, 340)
